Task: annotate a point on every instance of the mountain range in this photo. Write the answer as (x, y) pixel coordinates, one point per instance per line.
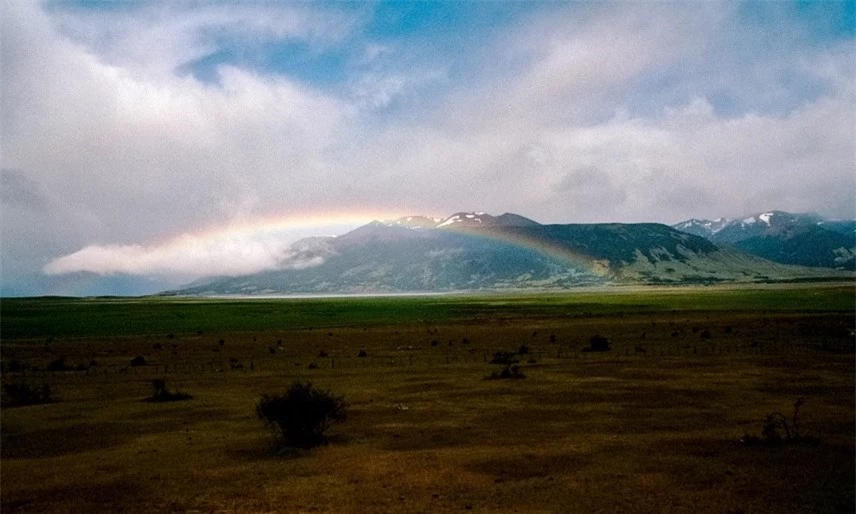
(801, 239)
(478, 251)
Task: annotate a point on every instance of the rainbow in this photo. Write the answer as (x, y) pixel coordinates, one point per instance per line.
(248, 246)
(551, 249)
(291, 222)
(349, 220)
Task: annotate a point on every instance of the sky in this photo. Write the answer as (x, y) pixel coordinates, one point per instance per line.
(148, 144)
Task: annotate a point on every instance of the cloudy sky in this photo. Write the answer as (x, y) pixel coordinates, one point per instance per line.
(149, 143)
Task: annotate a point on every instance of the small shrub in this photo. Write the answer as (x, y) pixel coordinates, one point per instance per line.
(58, 365)
(508, 372)
(323, 353)
(24, 394)
(523, 350)
(435, 342)
(157, 346)
(598, 343)
(160, 393)
(137, 361)
(506, 358)
(312, 365)
(362, 353)
(776, 431)
(300, 417)
(15, 366)
(705, 334)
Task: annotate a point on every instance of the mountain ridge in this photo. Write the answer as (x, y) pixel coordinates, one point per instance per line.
(805, 239)
(478, 251)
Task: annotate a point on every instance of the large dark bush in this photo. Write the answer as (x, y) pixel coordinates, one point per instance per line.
(301, 416)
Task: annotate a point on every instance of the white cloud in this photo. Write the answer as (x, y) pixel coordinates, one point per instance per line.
(547, 118)
(189, 256)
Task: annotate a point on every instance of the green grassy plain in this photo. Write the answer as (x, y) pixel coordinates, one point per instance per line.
(652, 426)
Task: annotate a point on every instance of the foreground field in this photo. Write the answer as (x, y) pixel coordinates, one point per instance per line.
(654, 425)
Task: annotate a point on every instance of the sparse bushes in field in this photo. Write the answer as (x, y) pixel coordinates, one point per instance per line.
(508, 372)
(160, 393)
(138, 361)
(777, 431)
(21, 394)
(598, 343)
(300, 417)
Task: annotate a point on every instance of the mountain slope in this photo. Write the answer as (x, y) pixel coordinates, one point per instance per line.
(471, 251)
(800, 239)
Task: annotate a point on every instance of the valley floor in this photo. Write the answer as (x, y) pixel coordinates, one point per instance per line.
(656, 424)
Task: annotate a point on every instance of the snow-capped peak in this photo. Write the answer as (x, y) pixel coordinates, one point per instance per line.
(467, 218)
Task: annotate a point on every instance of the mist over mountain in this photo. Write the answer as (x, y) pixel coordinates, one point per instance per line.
(788, 238)
(478, 251)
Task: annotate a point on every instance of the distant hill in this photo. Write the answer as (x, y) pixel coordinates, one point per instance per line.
(801, 239)
(477, 251)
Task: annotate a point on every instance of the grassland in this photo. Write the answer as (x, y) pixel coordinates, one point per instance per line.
(652, 426)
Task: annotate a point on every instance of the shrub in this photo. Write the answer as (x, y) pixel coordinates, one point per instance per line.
(509, 371)
(24, 394)
(523, 350)
(598, 343)
(160, 393)
(323, 353)
(776, 431)
(137, 361)
(300, 417)
(58, 365)
(15, 366)
(506, 358)
(362, 353)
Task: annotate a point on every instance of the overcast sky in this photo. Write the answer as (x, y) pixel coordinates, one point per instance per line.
(151, 143)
